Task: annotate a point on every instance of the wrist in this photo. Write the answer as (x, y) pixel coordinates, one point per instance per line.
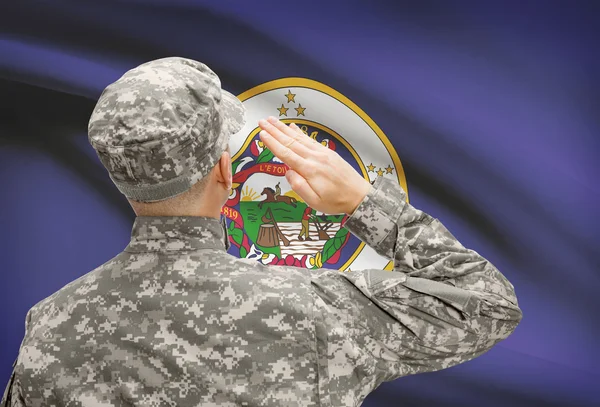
(359, 196)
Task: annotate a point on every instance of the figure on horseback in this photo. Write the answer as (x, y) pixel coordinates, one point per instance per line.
(277, 191)
(272, 196)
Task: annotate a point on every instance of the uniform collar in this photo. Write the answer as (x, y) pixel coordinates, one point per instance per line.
(177, 233)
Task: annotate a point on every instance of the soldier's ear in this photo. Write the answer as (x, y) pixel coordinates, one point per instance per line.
(224, 174)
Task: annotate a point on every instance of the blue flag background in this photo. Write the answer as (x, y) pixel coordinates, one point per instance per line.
(494, 110)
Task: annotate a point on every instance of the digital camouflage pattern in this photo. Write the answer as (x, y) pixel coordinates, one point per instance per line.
(174, 320)
(162, 126)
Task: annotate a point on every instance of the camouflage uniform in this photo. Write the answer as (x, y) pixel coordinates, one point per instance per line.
(175, 320)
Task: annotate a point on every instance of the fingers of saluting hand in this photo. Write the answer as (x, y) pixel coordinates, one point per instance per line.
(296, 140)
(291, 146)
(308, 141)
(284, 147)
(294, 131)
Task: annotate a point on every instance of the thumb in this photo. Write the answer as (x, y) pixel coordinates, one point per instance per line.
(301, 187)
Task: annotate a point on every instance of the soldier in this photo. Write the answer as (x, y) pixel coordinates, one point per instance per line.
(174, 320)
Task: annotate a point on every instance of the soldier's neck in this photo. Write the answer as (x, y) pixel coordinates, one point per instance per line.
(198, 209)
(214, 213)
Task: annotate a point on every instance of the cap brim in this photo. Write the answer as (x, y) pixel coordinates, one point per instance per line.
(233, 112)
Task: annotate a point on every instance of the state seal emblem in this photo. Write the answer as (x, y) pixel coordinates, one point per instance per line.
(267, 221)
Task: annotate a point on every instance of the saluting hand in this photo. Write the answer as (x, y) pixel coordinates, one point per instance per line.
(318, 175)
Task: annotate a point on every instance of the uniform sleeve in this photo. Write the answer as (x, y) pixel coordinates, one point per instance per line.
(442, 304)
(13, 396)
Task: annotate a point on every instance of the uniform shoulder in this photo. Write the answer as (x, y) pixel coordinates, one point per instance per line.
(74, 289)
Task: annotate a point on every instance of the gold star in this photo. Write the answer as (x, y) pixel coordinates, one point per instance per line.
(380, 172)
(282, 110)
(290, 96)
(371, 167)
(300, 110)
(389, 169)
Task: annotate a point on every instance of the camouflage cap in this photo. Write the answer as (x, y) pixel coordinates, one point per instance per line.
(163, 126)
